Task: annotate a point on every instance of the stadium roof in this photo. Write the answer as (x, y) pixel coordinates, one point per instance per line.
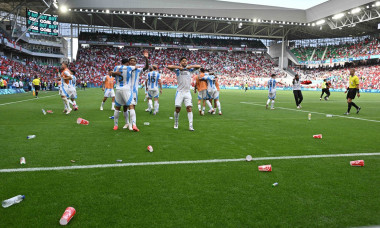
(223, 17)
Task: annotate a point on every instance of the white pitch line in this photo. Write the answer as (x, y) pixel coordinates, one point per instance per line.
(321, 113)
(181, 162)
(27, 100)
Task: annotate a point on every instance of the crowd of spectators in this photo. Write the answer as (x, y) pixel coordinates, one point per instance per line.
(369, 76)
(365, 47)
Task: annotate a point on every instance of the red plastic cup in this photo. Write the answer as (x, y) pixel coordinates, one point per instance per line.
(265, 168)
(357, 163)
(82, 121)
(67, 216)
(150, 148)
(317, 136)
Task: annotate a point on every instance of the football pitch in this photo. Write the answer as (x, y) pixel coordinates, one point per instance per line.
(192, 179)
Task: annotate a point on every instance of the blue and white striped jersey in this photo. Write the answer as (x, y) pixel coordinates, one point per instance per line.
(152, 80)
(73, 82)
(272, 85)
(184, 79)
(124, 81)
(135, 78)
(210, 82)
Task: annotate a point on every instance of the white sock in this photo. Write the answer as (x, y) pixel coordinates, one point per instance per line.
(127, 120)
(150, 104)
(156, 106)
(218, 105)
(74, 103)
(203, 108)
(268, 101)
(126, 116)
(64, 103)
(209, 105)
(102, 104)
(67, 102)
(132, 112)
(116, 117)
(190, 117)
(272, 105)
(113, 105)
(199, 107)
(176, 117)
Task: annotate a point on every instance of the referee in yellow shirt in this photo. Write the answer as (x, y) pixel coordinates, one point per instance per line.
(352, 90)
(36, 84)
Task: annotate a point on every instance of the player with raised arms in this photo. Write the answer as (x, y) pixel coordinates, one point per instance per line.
(183, 94)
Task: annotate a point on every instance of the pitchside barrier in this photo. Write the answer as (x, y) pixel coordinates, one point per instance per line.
(11, 91)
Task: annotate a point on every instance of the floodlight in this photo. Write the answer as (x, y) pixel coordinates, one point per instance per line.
(338, 16)
(356, 10)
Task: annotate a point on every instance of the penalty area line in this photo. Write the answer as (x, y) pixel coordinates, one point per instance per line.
(181, 162)
(321, 113)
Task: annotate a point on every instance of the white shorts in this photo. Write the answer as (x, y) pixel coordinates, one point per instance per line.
(67, 91)
(109, 93)
(123, 97)
(183, 97)
(153, 94)
(213, 94)
(272, 95)
(202, 95)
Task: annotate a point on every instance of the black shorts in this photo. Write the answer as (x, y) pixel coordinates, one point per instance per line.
(351, 93)
(36, 87)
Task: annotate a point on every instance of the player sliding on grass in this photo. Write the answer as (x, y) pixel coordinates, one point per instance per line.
(183, 94)
(353, 89)
(272, 91)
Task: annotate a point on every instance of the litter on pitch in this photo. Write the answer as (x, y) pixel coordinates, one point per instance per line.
(82, 121)
(357, 163)
(146, 123)
(171, 118)
(265, 168)
(248, 158)
(43, 111)
(150, 148)
(49, 111)
(119, 161)
(319, 136)
(67, 216)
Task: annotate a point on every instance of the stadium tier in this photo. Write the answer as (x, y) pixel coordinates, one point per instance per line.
(365, 47)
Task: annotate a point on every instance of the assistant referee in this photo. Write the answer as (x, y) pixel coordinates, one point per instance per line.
(352, 90)
(36, 84)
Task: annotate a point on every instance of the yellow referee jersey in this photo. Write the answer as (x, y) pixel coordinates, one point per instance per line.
(353, 82)
(323, 85)
(36, 82)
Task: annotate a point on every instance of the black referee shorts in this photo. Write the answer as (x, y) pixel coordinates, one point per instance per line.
(37, 87)
(351, 93)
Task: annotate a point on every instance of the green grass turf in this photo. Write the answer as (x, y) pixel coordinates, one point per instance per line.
(321, 192)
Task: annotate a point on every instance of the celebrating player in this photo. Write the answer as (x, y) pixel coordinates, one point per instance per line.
(152, 83)
(272, 91)
(73, 94)
(353, 89)
(65, 90)
(212, 91)
(201, 86)
(183, 95)
(107, 87)
(134, 88)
